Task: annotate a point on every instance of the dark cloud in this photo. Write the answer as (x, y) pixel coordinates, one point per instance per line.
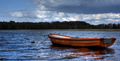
(79, 6)
(86, 10)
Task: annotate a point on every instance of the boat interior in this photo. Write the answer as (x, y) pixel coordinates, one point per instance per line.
(60, 36)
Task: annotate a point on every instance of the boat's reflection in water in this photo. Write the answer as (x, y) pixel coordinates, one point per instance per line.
(81, 53)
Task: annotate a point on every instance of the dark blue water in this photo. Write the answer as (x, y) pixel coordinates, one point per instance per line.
(16, 45)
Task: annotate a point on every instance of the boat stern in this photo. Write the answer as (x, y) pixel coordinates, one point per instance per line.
(106, 42)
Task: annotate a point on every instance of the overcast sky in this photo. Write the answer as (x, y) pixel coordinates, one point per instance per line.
(90, 11)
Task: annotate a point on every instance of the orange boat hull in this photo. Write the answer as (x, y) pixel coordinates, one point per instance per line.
(81, 42)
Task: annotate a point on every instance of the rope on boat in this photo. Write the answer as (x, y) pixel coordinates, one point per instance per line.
(44, 40)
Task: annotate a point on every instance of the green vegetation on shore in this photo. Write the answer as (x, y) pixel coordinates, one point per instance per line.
(77, 25)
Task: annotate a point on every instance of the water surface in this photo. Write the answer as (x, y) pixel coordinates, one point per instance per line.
(16, 45)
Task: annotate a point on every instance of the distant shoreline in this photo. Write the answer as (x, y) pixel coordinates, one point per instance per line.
(71, 25)
(70, 29)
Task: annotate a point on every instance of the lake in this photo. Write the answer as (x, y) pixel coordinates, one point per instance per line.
(16, 45)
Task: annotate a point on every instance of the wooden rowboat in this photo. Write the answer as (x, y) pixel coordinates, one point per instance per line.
(80, 42)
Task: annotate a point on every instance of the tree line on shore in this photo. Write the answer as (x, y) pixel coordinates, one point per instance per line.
(56, 25)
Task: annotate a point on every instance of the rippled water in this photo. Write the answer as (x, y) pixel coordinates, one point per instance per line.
(16, 45)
